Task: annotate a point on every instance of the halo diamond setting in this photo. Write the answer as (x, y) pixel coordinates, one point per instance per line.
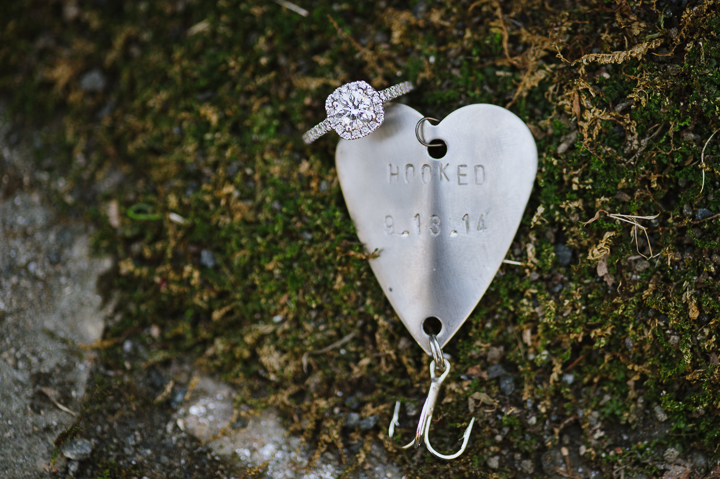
(355, 110)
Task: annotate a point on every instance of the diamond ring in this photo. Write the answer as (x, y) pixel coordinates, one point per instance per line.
(355, 110)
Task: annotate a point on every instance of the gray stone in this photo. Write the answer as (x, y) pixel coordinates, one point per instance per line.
(527, 466)
(353, 402)
(703, 213)
(207, 258)
(671, 454)
(77, 449)
(660, 414)
(564, 254)
(687, 210)
(94, 80)
(495, 354)
(642, 265)
(507, 385)
(369, 422)
(493, 462)
(352, 419)
(495, 371)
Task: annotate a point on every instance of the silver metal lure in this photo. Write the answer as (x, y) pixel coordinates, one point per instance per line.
(441, 226)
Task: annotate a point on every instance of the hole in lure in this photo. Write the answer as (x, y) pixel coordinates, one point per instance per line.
(437, 149)
(432, 325)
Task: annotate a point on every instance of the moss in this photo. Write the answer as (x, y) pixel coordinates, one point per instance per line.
(203, 113)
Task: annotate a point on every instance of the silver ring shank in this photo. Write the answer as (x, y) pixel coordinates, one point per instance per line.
(317, 131)
(385, 95)
(395, 91)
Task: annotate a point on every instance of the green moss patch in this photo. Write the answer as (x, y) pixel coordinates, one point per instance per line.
(233, 239)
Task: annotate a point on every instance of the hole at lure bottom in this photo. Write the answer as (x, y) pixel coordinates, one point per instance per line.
(437, 149)
(432, 325)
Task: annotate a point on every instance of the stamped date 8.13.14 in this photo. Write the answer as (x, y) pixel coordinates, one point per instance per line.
(433, 225)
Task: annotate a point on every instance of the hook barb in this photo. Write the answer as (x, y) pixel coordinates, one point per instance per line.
(395, 422)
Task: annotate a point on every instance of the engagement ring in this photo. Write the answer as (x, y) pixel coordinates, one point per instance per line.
(355, 110)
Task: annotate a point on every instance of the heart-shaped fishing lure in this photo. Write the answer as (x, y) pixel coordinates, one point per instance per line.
(441, 226)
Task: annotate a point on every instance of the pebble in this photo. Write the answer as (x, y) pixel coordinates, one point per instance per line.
(207, 258)
(660, 414)
(77, 449)
(420, 10)
(352, 402)
(369, 422)
(93, 80)
(495, 371)
(642, 265)
(507, 385)
(703, 213)
(671, 454)
(687, 210)
(527, 466)
(352, 420)
(564, 254)
(494, 462)
(495, 354)
(567, 142)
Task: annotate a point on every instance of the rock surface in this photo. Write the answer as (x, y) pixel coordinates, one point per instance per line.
(49, 304)
(260, 439)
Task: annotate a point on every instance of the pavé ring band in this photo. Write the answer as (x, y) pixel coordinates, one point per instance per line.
(355, 110)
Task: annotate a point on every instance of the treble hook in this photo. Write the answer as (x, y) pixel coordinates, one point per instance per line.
(423, 428)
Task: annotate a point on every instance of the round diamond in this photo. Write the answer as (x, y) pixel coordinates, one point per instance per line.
(353, 108)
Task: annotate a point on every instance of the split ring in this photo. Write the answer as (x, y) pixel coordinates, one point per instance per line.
(437, 353)
(418, 132)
